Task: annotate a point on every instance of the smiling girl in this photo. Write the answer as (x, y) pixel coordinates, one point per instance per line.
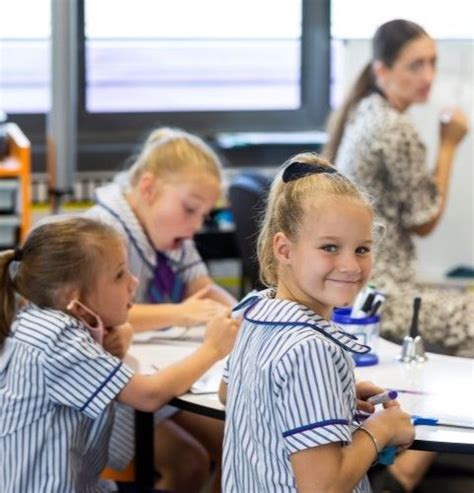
(290, 361)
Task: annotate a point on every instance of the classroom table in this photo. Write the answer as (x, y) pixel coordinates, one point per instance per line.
(441, 387)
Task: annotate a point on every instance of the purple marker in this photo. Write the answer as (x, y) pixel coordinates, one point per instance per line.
(388, 395)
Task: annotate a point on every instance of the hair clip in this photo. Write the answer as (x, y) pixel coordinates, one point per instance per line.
(297, 170)
(18, 255)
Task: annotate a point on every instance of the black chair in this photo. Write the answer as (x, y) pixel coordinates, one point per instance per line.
(247, 194)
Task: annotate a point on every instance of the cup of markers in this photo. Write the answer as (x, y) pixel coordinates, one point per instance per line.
(366, 329)
(363, 321)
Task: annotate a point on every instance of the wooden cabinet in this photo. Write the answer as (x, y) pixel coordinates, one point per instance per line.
(15, 188)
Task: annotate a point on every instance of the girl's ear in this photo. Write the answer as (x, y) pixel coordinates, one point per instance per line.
(148, 187)
(282, 248)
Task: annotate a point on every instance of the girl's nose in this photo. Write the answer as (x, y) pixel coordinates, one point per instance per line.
(429, 73)
(349, 264)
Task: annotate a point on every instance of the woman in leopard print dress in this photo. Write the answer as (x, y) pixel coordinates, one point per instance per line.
(374, 141)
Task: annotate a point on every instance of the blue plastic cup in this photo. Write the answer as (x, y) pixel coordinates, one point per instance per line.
(366, 329)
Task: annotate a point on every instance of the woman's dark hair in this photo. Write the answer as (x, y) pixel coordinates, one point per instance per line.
(388, 41)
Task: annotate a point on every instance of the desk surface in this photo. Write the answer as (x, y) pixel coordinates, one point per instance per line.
(441, 387)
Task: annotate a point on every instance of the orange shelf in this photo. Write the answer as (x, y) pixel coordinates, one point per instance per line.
(18, 165)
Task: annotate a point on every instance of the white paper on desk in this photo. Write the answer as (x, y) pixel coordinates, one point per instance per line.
(209, 382)
(175, 333)
(445, 410)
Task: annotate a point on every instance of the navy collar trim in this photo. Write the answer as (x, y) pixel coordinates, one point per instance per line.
(261, 309)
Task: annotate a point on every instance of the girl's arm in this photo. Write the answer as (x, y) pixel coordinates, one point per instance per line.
(334, 468)
(215, 292)
(198, 308)
(150, 392)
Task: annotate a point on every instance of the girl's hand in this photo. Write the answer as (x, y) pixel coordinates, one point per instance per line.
(221, 333)
(117, 339)
(392, 426)
(197, 309)
(366, 389)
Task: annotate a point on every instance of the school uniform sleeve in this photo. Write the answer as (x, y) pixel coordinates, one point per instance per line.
(409, 179)
(81, 375)
(312, 381)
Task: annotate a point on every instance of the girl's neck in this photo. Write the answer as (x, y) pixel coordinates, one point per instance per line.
(284, 292)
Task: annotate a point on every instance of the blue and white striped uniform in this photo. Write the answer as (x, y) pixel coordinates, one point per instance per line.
(291, 387)
(112, 208)
(56, 387)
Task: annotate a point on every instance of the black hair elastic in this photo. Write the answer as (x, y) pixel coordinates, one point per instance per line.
(297, 170)
(18, 255)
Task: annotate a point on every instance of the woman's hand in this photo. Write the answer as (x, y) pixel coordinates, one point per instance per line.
(221, 333)
(366, 389)
(197, 309)
(117, 339)
(454, 126)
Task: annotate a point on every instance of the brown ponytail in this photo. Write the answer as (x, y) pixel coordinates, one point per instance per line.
(363, 86)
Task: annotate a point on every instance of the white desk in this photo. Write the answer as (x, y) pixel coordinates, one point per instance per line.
(444, 386)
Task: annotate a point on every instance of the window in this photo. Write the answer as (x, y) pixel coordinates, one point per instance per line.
(164, 60)
(24, 56)
(432, 16)
(207, 66)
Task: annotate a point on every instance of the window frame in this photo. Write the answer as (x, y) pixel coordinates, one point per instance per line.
(104, 137)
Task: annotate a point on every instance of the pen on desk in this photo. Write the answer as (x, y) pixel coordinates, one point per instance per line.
(388, 395)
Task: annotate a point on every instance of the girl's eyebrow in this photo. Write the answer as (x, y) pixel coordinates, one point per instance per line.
(338, 238)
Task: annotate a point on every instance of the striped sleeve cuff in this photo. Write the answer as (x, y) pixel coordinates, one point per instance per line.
(315, 434)
(107, 391)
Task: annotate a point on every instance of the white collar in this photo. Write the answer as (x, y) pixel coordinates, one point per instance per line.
(263, 308)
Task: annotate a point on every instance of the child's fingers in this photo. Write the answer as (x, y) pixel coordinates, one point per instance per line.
(393, 403)
(365, 406)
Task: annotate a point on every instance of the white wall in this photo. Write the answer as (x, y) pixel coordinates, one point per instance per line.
(452, 243)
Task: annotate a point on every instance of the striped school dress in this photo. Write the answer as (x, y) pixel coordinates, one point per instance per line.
(290, 387)
(56, 390)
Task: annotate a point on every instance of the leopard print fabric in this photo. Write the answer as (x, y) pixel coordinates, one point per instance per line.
(381, 150)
